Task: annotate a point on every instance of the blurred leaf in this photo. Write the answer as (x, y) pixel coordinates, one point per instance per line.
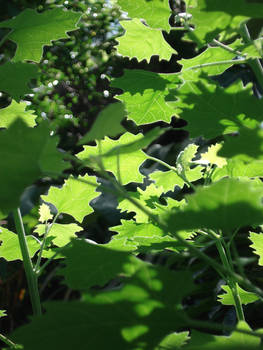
(236, 340)
(138, 315)
(108, 123)
(26, 155)
(19, 75)
(227, 204)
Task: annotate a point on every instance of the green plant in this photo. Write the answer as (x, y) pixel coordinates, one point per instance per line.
(149, 306)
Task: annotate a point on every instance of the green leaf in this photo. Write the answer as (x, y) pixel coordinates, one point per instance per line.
(173, 341)
(226, 204)
(149, 198)
(74, 196)
(257, 246)
(60, 234)
(146, 95)
(199, 63)
(88, 264)
(143, 42)
(185, 157)
(169, 179)
(10, 249)
(211, 157)
(3, 313)
(205, 107)
(138, 315)
(245, 297)
(250, 50)
(205, 341)
(26, 155)
(128, 162)
(246, 146)
(156, 12)
(212, 18)
(19, 75)
(42, 28)
(142, 237)
(239, 168)
(108, 123)
(44, 213)
(14, 110)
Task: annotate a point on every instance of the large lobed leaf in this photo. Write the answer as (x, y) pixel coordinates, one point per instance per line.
(26, 154)
(19, 75)
(122, 157)
(74, 196)
(227, 204)
(148, 97)
(138, 315)
(156, 12)
(31, 31)
(214, 17)
(143, 42)
(9, 114)
(10, 249)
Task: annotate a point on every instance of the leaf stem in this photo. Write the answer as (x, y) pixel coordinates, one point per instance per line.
(218, 63)
(254, 63)
(170, 167)
(9, 342)
(31, 276)
(47, 230)
(230, 281)
(227, 48)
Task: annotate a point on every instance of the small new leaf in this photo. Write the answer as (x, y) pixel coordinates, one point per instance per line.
(44, 213)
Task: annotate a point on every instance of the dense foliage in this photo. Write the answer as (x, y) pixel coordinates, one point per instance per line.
(201, 210)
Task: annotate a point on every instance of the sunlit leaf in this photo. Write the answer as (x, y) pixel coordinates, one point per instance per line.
(42, 28)
(148, 96)
(143, 42)
(228, 299)
(9, 114)
(156, 12)
(74, 196)
(10, 249)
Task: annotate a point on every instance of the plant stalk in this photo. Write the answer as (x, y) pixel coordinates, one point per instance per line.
(254, 63)
(31, 276)
(230, 281)
(9, 342)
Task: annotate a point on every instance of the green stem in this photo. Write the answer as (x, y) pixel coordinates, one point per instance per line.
(218, 63)
(31, 276)
(47, 230)
(227, 48)
(254, 63)
(230, 281)
(4, 38)
(9, 342)
(170, 167)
